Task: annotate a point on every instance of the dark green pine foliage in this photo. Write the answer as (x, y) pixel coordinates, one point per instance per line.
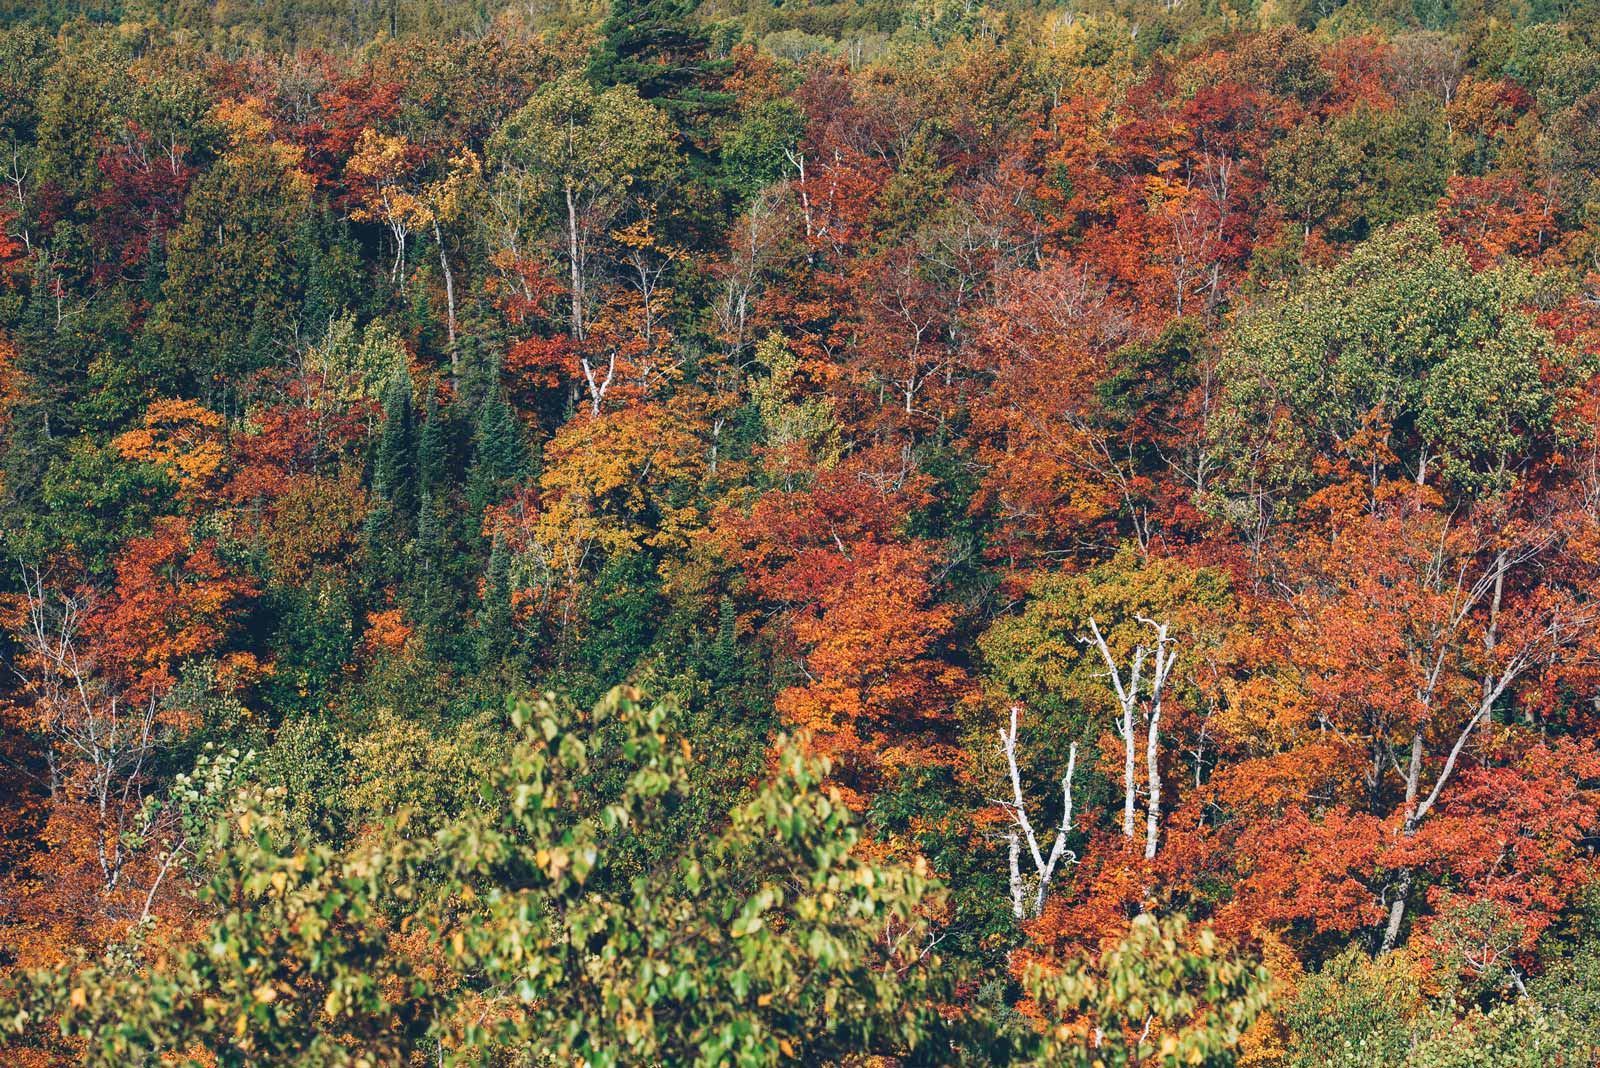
(433, 446)
(393, 514)
(654, 46)
(330, 261)
(499, 644)
(313, 638)
(618, 623)
(28, 451)
(53, 368)
(438, 557)
(393, 466)
(499, 453)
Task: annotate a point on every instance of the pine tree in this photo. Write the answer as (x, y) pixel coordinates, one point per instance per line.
(496, 625)
(499, 453)
(394, 486)
(433, 447)
(392, 468)
(439, 564)
(654, 46)
(330, 267)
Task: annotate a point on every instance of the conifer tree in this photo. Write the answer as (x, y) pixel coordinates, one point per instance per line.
(499, 454)
(392, 470)
(433, 446)
(496, 625)
(394, 502)
(655, 46)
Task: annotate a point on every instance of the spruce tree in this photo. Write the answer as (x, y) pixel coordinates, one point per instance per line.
(433, 447)
(394, 503)
(496, 625)
(393, 470)
(439, 564)
(654, 46)
(499, 454)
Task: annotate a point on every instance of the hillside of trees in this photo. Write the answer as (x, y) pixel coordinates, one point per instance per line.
(764, 533)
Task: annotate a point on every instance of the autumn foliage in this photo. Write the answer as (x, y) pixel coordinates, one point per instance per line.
(1134, 467)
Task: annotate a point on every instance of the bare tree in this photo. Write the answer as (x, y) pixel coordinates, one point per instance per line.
(1139, 696)
(1044, 867)
(102, 737)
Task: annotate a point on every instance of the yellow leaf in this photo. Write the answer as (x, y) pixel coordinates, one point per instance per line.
(266, 993)
(78, 998)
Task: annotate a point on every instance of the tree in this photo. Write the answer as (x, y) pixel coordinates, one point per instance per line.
(1401, 361)
(1044, 867)
(499, 453)
(229, 289)
(1085, 645)
(583, 159)
(1164, 995)
(1411, 632)
(654, 46)
(101, 671)
(1136, 695)
(773, 941)
(879, 699)
(182, 440)
(381, 172)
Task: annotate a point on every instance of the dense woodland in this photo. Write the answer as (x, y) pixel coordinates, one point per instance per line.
(765, 533)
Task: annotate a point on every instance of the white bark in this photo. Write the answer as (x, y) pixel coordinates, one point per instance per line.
(1044, 866)
(1139, 695)
(110, 740)
(575, 260)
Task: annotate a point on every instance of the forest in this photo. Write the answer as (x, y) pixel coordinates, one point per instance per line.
(1048, 533)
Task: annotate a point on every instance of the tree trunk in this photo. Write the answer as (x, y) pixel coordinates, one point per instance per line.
(1128, 788)
(449, 309)
(1152, 822)
(1397, 910)
(576, 266)
(1402, 882)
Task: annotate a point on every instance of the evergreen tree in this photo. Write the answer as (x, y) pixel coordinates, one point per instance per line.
(330, 262)
(654, 46)
(499, 453)
(433, 447)
(394, 488)
(497, 639)
(392, 470)
(619, 619)
(438, 560)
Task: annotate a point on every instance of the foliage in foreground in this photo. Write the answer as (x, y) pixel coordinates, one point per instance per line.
(529, 929)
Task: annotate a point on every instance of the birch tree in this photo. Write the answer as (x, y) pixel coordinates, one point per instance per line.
(581, 159)
(1022, 831)
(1139, 684)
